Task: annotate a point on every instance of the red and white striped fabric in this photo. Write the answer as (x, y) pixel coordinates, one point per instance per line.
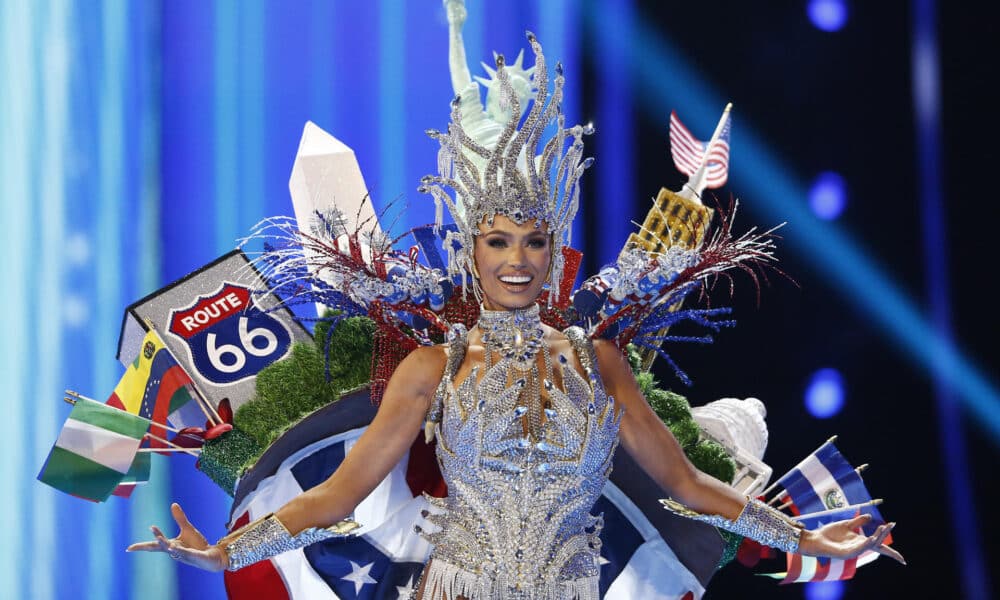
(809, 568)
(689, 153)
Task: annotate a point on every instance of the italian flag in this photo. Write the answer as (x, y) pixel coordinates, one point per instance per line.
(95, 450)
(138, 474)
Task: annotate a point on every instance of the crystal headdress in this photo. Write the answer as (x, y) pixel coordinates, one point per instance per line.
(509, 176)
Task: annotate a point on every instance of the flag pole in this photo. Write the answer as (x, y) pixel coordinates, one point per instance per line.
(76, 396)
(202, 403)
(771, 487)
(191, 451)
(833, 511)
(214, 412)
(695, 184)
(170, 445)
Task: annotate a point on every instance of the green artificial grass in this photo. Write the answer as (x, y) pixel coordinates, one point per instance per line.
(675, 412)
(289, 390)
(223, 458)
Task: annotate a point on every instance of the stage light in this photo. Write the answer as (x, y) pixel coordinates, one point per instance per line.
(772, 192)
(828, 15)
(824, 590)
(825, 393)
(828, 195)
(76, 312)
(77, 249)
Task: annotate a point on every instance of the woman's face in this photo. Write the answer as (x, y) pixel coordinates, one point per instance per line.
(513, 262)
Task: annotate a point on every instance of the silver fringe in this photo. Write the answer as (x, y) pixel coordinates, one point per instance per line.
(445, 580)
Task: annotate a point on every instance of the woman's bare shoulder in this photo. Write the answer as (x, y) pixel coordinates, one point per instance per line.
(602, 345)
(426, 358)
(559, 341)
(416, 378)
(555, 338)
(611, 361)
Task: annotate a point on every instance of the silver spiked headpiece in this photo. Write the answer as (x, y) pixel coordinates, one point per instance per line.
(504, 174)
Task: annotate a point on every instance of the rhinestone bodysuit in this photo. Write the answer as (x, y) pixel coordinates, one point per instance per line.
(516, 522)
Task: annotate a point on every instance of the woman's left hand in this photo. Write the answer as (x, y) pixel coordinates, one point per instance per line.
(843, 540)
(189, 547)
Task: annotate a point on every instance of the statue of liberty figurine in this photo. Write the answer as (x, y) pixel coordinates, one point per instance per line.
(483, 123)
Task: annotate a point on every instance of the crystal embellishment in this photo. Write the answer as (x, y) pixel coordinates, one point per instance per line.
(521, 174)
(513, 334)
(517, 522)
(267, 537)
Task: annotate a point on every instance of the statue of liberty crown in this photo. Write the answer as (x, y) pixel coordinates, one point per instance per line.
(499, 171)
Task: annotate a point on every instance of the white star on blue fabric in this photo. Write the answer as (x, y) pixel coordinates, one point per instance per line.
(359, 576)
(405, 591)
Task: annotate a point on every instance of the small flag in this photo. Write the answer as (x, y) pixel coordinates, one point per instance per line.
(823, 481)
(137, 474)
(825, 484)
(689, 153)
(95, 451)
(155, 387)
(802, 569)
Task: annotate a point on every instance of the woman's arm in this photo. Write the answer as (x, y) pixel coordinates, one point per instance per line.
(652, 445)
(390, 435)
(399, 419)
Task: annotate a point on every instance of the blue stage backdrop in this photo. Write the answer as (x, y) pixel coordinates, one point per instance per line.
(139, 140)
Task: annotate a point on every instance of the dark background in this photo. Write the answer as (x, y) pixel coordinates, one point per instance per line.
(843, 102)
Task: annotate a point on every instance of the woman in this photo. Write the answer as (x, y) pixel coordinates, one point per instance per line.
(527, 417)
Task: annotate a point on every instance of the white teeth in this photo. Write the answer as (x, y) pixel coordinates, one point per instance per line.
(515, 279)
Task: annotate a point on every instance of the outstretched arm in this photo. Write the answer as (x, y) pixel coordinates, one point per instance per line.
(377, 451)
(399, 419)
(652, 445)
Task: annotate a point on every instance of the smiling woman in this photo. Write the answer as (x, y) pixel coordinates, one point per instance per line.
(512, 262)
(526, 418)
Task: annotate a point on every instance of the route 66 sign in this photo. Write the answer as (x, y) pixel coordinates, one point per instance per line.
(219, 331)
(228, 337)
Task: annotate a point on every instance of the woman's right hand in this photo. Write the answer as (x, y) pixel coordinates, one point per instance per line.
(189, 547)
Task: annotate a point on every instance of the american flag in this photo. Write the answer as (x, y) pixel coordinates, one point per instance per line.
(688, 152)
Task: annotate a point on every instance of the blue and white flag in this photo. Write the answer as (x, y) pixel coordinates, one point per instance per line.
(824, 481)
(824, 488)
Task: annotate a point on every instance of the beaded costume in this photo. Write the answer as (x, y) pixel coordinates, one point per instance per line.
(516, 522)
(524, 442)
